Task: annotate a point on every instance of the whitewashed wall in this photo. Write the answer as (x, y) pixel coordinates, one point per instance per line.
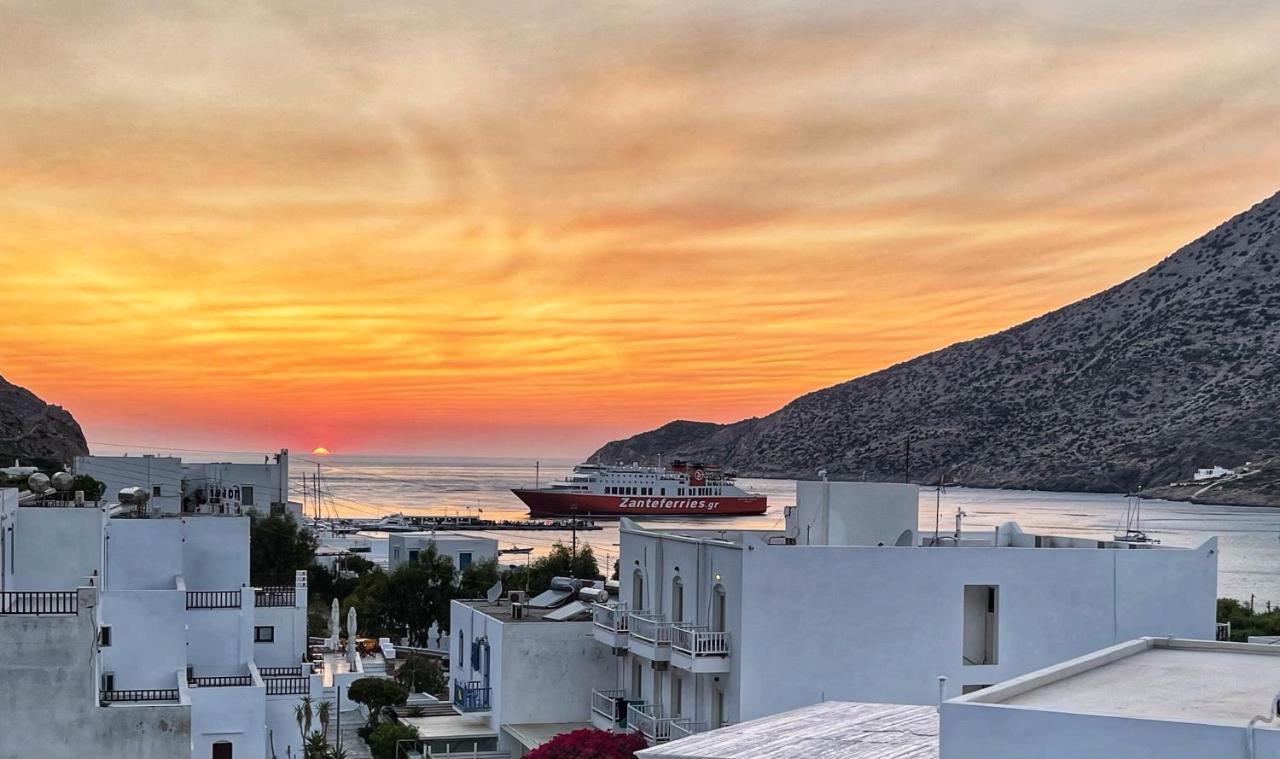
(52, 548)
(881, 624)
(146, 472)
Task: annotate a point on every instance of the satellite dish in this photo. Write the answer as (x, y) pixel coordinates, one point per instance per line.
(494, 593)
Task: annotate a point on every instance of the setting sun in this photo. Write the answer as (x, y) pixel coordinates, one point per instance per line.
(320, 451)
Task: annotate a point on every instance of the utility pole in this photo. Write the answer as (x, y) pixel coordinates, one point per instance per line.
(574, 515)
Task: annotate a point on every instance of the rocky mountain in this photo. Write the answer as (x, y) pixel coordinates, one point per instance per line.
(35, 431)
(1174, 369)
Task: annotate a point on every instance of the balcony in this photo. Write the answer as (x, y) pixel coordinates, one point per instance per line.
(150, 696)
(221, 681)
(610, 626)
(287, 686)
(648, 720)
(697, 649)
(609, 709)
(213, 599)
(39, 602)
(650, 636)
(470, 697)
(281, 596)
(683, 728)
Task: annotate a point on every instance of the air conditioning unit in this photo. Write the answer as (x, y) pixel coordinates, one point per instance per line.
(517, 610)
(518, 597)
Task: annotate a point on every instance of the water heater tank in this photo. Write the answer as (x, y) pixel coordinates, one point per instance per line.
(62, 481)
(38, 482)
(135, 496)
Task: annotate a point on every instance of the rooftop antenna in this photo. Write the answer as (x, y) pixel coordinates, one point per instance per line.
(937, 509)
(537, 474)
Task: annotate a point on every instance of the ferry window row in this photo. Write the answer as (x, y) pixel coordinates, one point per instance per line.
(661, 491)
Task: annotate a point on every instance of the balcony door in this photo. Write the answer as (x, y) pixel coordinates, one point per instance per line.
(677, 600)
(637, 590)
(718, 609)
(222, 750)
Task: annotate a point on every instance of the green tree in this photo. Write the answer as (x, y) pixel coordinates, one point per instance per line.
(382, 741)
(375, 693)
(370, 599)
(421, 674)
(93, 489)
(560, 562)
(358, 564)
(478, 578)
(1246, 621)
(418, 594)
(278, 547)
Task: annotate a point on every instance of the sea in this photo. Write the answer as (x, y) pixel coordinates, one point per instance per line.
(374, 486)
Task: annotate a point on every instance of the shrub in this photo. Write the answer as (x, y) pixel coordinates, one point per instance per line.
(382, 741)
(376, 693)
(590, 744)
(422, 675)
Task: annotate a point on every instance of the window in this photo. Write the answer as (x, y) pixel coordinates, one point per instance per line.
(967, 689)
(677, 688)
(637, 590)
(395, 553)
(222, 750)
(637, 680)
(246, 495)
(104, 636)
(718, 609)
(464, 560)
(108, 681)
(264, 634)
(981, 623)
(461, 648)
(664, 491)
(155, 491)
(413, 555)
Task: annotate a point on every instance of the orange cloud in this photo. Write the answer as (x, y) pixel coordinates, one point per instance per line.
(529, 228)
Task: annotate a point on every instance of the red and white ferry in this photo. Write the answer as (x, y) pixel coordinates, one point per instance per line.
(678, 490)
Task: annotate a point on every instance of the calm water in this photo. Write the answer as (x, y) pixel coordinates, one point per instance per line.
(369, 487)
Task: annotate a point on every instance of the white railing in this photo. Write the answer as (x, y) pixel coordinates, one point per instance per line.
(647, 720)
(650, 627)
(609, 704)
(697, 640)
(611, 618)
(683, 728)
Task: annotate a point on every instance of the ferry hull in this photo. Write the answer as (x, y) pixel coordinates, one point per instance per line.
(544, 503)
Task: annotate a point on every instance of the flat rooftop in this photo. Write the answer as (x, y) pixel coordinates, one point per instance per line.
(501, 611)
(830, 730)
(1155, 678)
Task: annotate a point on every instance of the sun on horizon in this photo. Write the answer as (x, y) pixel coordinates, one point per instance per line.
(320, 451)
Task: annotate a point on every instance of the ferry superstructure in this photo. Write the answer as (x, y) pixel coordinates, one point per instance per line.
(679, 489)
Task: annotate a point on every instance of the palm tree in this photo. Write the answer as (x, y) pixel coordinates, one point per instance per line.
(297, 716)
(322, 712)
(306, 705)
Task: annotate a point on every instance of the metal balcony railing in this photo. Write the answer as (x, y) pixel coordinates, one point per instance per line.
(652, 628)
(39, 602)
(611, 618)
(610, 704)
(297, 671)
(228, 681)
(213, 599)
(697, 640)
(288, 686)
(275, 596)
(648, 720)
(471, 696)
(683, 728)
(136, 696)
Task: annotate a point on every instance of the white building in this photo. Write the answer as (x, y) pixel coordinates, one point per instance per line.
(18, 470)
(720, 626)
(178, 487)
(463, 550)
(1152, 698)
(1212, 473)
(523, 679)
(169, 630)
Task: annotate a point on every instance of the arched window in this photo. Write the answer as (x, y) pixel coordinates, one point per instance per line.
(222, 750)
(637, 590)
(677, 600)
(718, 608)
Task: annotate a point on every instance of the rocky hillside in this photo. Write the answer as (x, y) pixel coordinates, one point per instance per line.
(1174, 369)
(34, 431)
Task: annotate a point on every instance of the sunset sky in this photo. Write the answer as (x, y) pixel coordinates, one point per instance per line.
(525, 228)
